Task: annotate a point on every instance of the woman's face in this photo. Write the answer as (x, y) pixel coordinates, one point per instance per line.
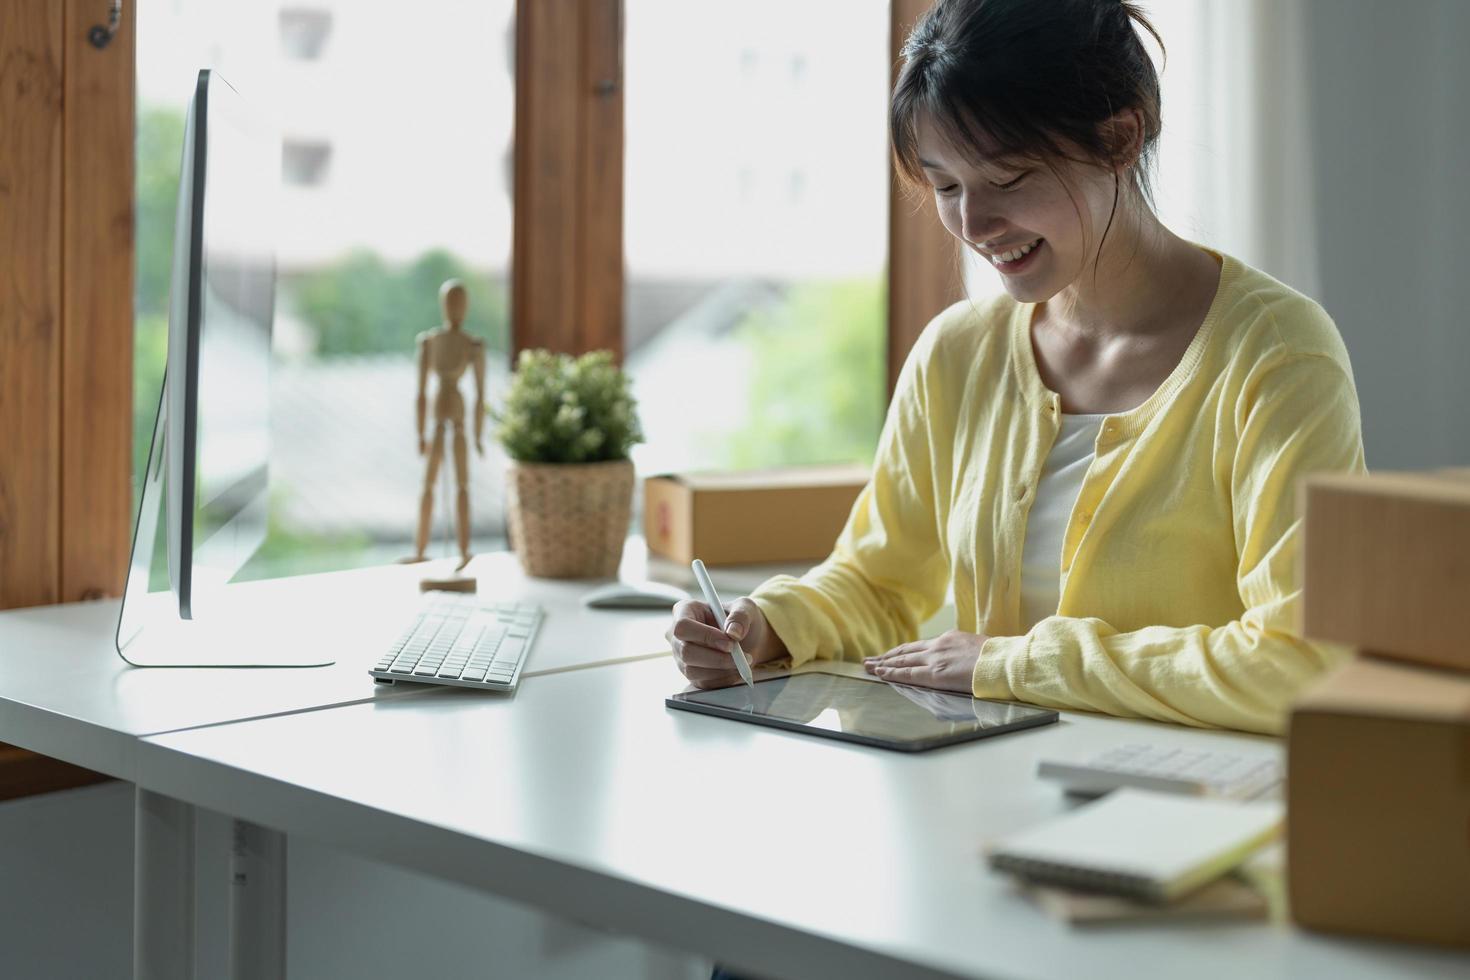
(1035, 230)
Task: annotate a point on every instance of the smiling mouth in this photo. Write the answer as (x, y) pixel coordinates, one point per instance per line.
(1013, 256)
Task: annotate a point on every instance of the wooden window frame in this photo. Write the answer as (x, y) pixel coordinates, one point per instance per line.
(924, 271)
(66, 321)
(66, 313)
(567, 216)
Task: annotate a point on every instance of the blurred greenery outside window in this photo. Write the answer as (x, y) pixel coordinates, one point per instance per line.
(359, 305)
(819, 394)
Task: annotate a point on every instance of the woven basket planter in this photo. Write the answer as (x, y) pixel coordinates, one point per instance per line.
(569, 520)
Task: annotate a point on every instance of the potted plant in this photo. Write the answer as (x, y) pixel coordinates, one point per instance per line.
(567, 424)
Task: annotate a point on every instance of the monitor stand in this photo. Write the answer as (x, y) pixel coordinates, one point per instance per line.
(150, 632)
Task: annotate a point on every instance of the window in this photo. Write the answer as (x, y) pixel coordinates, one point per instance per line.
(401, 185)
(753, 220)
(756, 191)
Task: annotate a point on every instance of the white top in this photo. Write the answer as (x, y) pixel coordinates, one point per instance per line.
(1056, 495)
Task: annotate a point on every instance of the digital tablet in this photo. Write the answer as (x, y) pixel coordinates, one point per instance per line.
(871, 712)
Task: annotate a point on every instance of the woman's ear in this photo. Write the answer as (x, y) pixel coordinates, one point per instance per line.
(1124, 133)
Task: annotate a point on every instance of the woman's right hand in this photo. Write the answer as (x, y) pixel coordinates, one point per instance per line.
(703, 652)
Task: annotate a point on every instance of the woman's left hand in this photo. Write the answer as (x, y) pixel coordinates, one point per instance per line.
(946, 662)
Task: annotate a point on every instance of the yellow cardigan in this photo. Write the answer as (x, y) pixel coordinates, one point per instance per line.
(1179, 579)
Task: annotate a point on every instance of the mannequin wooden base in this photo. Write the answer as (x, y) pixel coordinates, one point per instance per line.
(455, 583)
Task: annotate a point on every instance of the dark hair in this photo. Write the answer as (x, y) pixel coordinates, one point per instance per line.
(1035, 79)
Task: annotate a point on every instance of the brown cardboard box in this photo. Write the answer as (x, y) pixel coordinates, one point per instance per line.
(1387, 564)
(1378, 803)
(749, 516)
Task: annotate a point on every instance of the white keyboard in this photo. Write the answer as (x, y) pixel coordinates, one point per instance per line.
(1244, 776)
(464, 640)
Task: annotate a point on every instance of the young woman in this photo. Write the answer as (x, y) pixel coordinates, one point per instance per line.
(1103, 462)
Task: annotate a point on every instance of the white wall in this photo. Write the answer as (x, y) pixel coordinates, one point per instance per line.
(1389, 86)
(66, 909)
(66, 884)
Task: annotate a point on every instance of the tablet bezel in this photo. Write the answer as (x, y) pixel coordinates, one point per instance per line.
(1035, 718)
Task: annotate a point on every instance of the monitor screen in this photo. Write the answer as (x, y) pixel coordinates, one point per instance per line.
(207, 473)
(222, 308)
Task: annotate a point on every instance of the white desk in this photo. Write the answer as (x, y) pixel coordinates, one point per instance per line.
(585, 796)
(65, 692)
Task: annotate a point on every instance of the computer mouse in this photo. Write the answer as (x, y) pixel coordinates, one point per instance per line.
(634, 595)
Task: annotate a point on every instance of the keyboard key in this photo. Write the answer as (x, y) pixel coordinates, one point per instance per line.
(466, 640)
(511, 651)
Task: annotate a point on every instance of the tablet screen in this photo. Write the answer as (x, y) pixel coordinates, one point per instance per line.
(869, 711)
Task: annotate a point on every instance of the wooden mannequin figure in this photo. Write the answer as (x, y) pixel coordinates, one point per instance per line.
(447, 350)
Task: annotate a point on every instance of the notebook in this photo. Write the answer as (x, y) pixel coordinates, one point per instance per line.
(1150, 846)
(1227, 897)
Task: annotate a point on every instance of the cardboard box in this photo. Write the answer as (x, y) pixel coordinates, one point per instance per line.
(750, 516)
(1378, 803)
(1386, 564)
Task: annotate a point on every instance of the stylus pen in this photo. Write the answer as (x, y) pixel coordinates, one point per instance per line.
(713, 599)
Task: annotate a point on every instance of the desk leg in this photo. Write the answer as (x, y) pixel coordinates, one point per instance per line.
(257, 903)
(163, 888)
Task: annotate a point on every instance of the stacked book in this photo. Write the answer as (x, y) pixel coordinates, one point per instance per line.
(1141, 854)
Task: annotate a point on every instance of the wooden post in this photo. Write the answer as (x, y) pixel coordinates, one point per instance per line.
(66, 303)
(97, 196)
(923, 269)
(31, 86)
(66, 321)
(567, 239)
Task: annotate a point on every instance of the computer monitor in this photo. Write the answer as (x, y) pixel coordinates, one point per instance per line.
(211, 438)
(221, 311)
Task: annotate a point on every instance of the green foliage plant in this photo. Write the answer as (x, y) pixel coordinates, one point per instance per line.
(564, 409)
